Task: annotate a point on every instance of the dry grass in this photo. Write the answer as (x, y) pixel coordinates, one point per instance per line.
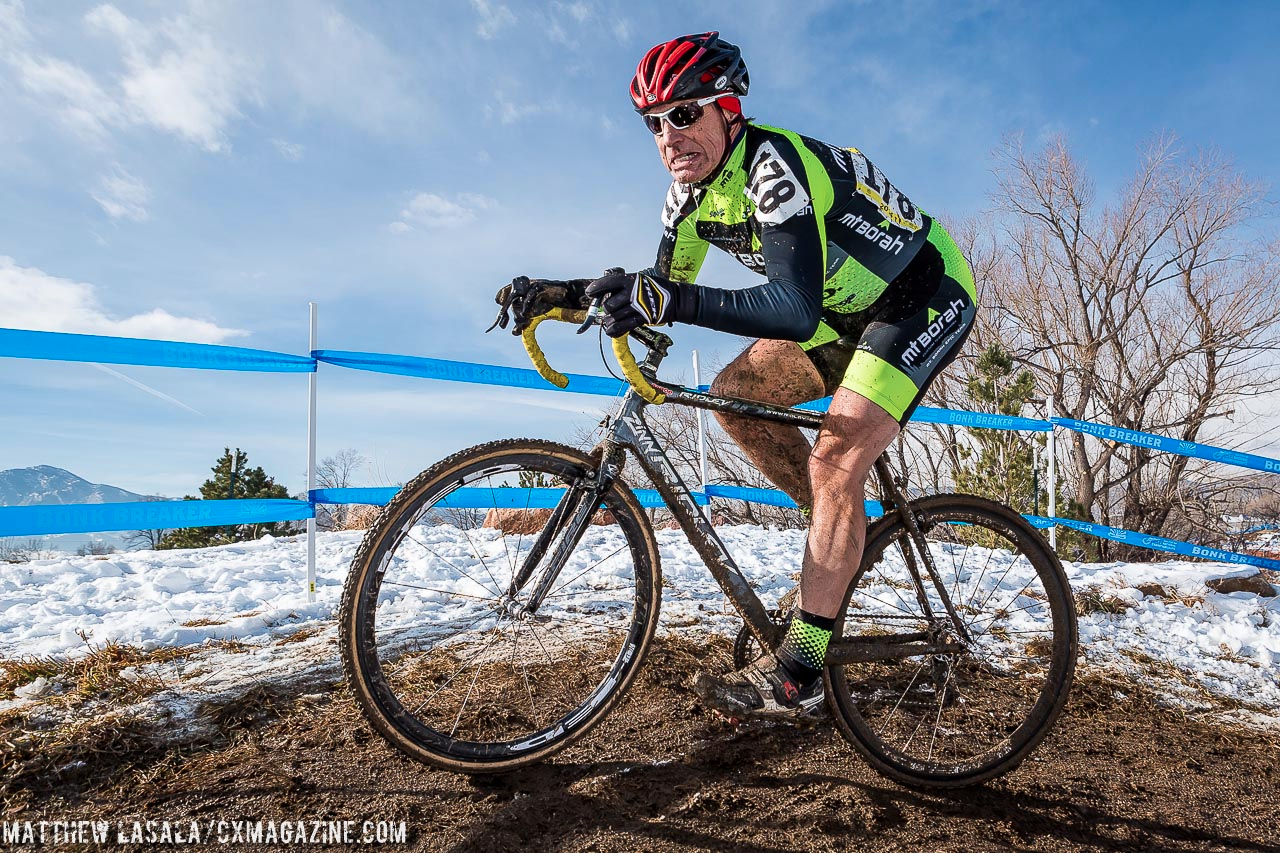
(258, 705)
(97, 674)
(36, 761)
(25, 670)
(1093, 599)
(202, 623)
(299, 635)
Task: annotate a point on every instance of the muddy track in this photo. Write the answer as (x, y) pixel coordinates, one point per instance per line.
(1120, 772)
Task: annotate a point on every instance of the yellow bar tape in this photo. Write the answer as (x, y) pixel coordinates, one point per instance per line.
(631, 370)
(535, 352)
(621, 351)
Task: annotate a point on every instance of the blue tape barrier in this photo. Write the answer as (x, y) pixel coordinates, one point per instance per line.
(373, 496)
(956, 417)
(145, 515)
(1172, 445)
(465, 371)
(1171, 546)
(471, 497)
(980, 420)
(61, 346)
(774, 497)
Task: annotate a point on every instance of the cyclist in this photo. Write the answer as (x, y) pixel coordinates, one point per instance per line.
(867, 300)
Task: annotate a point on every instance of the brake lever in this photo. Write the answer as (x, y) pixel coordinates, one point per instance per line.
(594, 310)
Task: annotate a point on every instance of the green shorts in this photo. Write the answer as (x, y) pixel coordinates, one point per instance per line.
(891, 351)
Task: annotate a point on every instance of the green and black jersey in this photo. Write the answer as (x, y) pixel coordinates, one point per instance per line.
(845, 252)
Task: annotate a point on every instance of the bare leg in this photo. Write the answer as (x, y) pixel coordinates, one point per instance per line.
(776, 372)
(854, 434)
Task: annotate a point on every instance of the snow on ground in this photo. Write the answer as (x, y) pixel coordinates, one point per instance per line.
(247, 604)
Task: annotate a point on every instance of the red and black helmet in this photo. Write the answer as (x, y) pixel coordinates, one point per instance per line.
(693, 66)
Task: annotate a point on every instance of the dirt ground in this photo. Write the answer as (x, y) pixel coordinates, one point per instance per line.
(1120, 772)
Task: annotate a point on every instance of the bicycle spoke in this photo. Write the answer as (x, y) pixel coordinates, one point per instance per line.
(439, 591)
(465, 700)
(450, 564)
(497, 586)
(528, 689)
(589, 568)
(942, 703)
(455, 674)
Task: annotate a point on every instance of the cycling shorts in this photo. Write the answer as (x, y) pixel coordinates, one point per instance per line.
(891, 351)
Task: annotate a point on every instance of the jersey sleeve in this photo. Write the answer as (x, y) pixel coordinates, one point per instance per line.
(781, 186)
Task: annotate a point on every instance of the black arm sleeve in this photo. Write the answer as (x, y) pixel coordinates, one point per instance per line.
(789, 306)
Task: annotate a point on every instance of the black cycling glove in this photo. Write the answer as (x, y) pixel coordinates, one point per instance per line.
(642, 299)
(525, 298)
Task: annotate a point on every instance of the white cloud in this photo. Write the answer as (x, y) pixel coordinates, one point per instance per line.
(32, 299)
(288, 150)
(493, 17)
(507, 111)
(122, 196)
(429, 210)
(178, 77)
(579, 11)
(13, 25)
(196, 73)
(72, 93)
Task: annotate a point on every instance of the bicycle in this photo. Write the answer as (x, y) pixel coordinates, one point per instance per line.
(481, 649)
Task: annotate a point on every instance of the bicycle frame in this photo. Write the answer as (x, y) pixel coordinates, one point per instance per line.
(627, 431)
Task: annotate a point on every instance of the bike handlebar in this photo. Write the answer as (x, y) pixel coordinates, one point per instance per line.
(621, 351)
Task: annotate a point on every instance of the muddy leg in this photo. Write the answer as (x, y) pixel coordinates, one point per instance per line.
(776, 372)
(854, 434)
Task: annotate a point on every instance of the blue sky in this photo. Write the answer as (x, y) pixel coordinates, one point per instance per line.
(200, 170)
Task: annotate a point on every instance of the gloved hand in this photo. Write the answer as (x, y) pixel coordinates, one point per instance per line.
(641, 299)
(525, 298)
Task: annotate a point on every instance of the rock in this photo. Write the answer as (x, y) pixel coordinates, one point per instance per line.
(1254, 583)
(1153, 589)
(530, 521)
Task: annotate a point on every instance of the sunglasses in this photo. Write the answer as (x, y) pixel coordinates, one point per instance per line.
(681, 117)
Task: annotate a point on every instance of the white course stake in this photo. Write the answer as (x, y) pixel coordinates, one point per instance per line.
(311, 464)
(702, 434)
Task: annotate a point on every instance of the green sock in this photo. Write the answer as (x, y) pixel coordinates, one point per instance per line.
(805, 646)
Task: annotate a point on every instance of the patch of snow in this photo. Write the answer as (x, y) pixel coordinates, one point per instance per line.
(238, 602)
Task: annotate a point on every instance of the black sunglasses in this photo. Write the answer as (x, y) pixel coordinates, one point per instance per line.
(680, 117)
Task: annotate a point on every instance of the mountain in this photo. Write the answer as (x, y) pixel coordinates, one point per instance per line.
(45, 484)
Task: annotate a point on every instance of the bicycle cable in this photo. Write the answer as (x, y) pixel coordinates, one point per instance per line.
(605, 359)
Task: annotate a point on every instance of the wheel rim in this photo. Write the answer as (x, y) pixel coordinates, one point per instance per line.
(963, 712)
(457, 666)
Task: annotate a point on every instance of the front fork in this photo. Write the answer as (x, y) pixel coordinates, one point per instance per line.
(571, 517)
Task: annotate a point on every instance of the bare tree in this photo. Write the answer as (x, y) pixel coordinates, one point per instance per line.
(1150, 313)
(338, 472)
(147, 540)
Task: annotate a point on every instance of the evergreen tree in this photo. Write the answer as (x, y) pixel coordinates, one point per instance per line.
(1001, 466)
(232, 479)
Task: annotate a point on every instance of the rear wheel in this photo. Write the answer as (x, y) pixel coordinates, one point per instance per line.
(453, 666)
(985, 685)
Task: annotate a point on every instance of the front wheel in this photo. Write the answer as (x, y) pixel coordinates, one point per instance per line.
(482, 629)
(985, 646)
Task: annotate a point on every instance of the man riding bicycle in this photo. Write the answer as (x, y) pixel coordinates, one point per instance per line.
(867, 300)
